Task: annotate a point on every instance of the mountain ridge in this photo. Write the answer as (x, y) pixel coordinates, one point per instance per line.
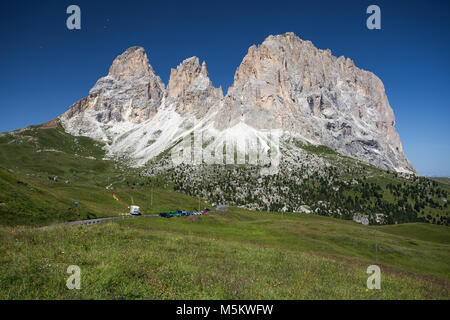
(285, 83)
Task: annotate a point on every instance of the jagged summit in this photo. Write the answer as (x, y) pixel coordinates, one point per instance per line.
(132, 63)
(289, 84)
(285, 83)
(190, 85)
(131, 92)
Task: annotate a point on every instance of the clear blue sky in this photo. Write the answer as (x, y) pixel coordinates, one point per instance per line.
(44, 67)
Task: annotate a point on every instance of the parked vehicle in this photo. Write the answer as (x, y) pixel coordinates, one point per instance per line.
(182, 213)
(165, 215)
(174, 213)
(134, 211)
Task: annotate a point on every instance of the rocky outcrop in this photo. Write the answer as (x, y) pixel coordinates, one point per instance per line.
(285, 84)
(130, 92)
(192, 89)
(52, 124)
(289, 84)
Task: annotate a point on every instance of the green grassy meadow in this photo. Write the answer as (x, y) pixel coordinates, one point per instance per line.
(236, 254)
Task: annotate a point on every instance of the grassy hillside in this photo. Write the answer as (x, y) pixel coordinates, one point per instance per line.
(346, 189)
(44, 171)
(50, 153)
(442, 180)
(230, 255)
(236, 254)
(35, 202)
(419, 231)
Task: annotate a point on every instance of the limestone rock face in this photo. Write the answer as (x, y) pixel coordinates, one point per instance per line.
(289, 84)
(284, 84)
(131, 92)
(191, 88)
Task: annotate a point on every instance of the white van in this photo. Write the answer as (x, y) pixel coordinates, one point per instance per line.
(134, 211)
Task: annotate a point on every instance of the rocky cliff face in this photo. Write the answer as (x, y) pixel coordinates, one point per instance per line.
(289, 84)
(285, 84)
(191, 88)
(131, 92)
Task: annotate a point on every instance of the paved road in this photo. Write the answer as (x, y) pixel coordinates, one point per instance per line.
(99, 220)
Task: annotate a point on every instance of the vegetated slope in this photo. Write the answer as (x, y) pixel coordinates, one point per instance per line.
(50, 153)
(441, 179)
(420, 231)
(44, 171)
(315, 179)
(237, 254)
(36, 202)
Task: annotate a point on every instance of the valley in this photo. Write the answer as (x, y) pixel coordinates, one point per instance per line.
(301, 155)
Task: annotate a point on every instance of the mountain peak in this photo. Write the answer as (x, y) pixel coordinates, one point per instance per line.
(191, 87)
(290, 36)
(132, 63)
(284, 83)
(287, 83)
(130, 92)
(188, 76)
